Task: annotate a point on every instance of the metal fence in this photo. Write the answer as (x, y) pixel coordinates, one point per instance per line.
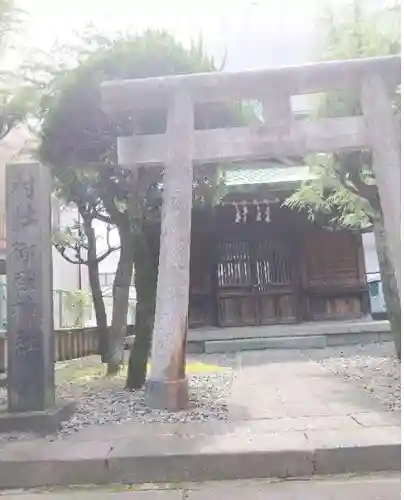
(62, 316)
(69, 344)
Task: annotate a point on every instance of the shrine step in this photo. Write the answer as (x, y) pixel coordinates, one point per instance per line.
(317, 341)
(310, 342)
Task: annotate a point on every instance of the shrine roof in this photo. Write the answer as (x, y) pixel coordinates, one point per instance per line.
(268, 173)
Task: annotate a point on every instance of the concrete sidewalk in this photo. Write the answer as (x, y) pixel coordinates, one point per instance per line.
(373, 487)
(288, 417)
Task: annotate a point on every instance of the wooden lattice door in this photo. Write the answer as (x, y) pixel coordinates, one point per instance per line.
(274, 282)
(255, 283)
(235, 284)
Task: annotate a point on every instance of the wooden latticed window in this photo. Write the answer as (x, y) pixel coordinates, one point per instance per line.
(254, 283)
(234, 264)
(273, 265)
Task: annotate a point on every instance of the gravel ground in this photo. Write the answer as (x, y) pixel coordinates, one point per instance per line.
(105, 402)
(101, 400)
(373, 367)
(208, 396)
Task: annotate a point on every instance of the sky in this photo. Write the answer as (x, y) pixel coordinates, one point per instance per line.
(183, 17)
(250, 31)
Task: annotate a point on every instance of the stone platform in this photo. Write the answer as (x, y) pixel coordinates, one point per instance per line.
(312, 335)
(41, 422)
(288, 416)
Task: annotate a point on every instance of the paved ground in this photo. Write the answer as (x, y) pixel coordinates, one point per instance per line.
(290, 415)
(281, 391)
(292, 383)
(380, 487)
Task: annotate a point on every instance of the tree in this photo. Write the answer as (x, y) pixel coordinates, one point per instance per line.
(79, 141)
(345, 188)
(77, 244)
(78, 304)
(16, 98)
(9, 20)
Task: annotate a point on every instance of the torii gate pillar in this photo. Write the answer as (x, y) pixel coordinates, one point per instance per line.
(167, 386)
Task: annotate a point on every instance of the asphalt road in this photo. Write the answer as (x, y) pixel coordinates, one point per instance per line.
(374, 487)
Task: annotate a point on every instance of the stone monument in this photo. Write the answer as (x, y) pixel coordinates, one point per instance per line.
(30, 333)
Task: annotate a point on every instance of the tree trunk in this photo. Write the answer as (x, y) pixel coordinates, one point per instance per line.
(120, 292)
(389, 284)
(96, 292)
(146, 284)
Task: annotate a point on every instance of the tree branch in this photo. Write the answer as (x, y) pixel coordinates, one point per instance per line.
(116, 216)
(101, 217)
(351, 164)
(81, 261)
(62, 251)
(108, 252)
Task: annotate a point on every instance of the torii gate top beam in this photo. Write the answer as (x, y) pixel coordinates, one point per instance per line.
(130, 95)
(281, 135)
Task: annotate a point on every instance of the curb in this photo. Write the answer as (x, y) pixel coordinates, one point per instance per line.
(99, 463)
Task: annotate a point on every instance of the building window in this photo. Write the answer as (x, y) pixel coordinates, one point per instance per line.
(107, 279)
(374, 289)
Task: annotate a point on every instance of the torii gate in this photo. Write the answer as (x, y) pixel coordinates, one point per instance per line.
(181, 147)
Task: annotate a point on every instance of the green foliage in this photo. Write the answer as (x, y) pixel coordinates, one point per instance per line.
(76, 137)
(16, 97)
(15, 105)
(10, 19)
(328, 196)
(355, 30)
(344, 191)
(75, 131)
(353, 33)
(78, 304)
(69, 238)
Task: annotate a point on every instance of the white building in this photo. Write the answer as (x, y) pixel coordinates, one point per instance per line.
(68, 278)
